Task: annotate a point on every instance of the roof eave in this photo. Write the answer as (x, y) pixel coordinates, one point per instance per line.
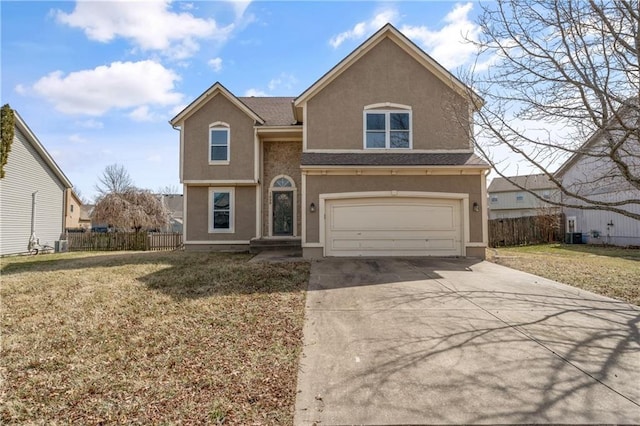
(212, 91)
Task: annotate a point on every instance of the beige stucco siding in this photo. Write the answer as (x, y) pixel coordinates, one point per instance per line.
(244, 215)
(387, 74)
(280, 158)
(196, 142)
(317, 185)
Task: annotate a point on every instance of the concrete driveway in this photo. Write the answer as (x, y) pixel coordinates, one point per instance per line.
(423, 341)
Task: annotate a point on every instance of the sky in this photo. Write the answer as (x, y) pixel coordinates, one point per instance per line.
(98, 81)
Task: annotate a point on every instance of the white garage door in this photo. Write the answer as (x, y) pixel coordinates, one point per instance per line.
(393, 226)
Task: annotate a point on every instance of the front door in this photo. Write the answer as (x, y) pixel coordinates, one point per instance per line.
(283, 213)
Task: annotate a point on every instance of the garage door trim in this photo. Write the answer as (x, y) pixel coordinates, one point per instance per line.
(464, 198)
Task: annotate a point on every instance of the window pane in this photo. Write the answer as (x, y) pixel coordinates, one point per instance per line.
(399, 121)
(220, 201)
(221, 220)
(219, 136)
(399, 139)
(375, 140)
(219, 153)
(282, 183)
(375, 121)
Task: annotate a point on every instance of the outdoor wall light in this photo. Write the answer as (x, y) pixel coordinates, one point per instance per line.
(312, 207)
(476, 207)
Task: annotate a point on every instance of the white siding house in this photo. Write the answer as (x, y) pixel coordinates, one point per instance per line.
(597, 178)
(591, 173)
(33, 185)
(507, 200)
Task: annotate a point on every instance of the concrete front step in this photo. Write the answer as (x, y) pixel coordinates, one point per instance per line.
(269, 244)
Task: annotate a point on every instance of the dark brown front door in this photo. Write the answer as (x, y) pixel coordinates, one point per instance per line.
(282, 213)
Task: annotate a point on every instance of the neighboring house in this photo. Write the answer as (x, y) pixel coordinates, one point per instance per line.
(590, 173)
(174, 203)
(507, 200)
(374, 159)
(32, 194)
(85, 216)
(73, 210)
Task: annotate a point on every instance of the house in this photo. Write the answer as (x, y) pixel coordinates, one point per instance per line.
(73, 210)
(373, 159)
(32, 194)
(512, 197)
(174, 203)
(86, 210)
(591, 173)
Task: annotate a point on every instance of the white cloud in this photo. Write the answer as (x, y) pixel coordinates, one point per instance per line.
(365, 28)
(240, 6)
(90, 124)
(118, 85)
(447, 45)
(20, 89)
(76, 138)
(255, 92)
(149, 25)
(216, 64)
(177, 109)
(141, 113)
(283, 81)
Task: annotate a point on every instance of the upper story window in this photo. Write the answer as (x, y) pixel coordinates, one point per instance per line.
(71, 208)
(387, 129)
(520, 197)
(219, 143)
(494, 198)
(546, 195)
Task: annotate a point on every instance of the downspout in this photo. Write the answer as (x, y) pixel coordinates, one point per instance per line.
(33, 240)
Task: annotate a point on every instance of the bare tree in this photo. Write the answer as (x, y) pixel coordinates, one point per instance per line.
(114, 180)
(169, 190)
(562, 81)
(132, 209)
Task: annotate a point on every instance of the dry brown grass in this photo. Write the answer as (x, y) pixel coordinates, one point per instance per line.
(171, 338)
(610, 271)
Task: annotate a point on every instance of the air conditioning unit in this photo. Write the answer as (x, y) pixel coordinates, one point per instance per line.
(62, 246)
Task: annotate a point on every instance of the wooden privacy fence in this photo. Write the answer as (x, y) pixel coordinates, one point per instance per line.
(521, 231)
(113, 241)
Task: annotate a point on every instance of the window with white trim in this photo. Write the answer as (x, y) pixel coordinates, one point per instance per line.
(221, 207)
(387, 129)
(219, 143)
(520, 197)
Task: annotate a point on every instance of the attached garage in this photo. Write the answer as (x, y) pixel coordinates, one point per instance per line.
(393, 226)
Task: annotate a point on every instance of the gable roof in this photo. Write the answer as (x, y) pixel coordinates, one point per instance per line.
(530, 182)
(276, 111)
(37, 145)
(392, 33)
(628, 108)
(212, 91)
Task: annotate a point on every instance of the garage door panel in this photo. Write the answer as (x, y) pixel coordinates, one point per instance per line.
(393, 227)
(414, 217)
(391, 243)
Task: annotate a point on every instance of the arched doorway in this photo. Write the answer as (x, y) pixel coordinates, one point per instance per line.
(282, 211)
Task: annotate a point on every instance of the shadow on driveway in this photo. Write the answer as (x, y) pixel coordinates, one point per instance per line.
(415, 341)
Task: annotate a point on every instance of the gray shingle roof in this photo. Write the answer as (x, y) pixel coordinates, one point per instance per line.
(531, 182)
(391, 159)
(275, 111)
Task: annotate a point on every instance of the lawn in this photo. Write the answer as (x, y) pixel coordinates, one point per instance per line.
(610, 271)
(150, 338)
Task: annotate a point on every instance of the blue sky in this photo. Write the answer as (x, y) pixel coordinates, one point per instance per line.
(97, 82)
